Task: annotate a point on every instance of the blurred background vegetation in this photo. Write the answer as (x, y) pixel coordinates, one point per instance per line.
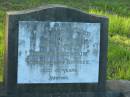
(118, 12)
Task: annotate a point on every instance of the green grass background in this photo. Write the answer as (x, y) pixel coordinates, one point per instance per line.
(118, 12)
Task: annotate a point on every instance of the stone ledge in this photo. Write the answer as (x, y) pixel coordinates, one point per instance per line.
(80, 94)
(122, 86)
(114, 88)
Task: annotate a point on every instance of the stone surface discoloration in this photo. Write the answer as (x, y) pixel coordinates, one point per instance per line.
(58, 52)
(122, 86)
(52, 14)
(114, 88)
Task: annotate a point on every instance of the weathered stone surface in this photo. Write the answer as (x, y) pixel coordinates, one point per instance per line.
(81, 94)
(122, 86)
(58, 52)
(114, 88)
(94, 76)
(2, 90)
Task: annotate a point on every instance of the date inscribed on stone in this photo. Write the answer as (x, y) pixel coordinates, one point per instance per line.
(58, 52)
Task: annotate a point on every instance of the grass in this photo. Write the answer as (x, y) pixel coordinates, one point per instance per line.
(2, 14)
(118, 61)
(120, 7)
(118, 11)
(119, 45)
(119, 25)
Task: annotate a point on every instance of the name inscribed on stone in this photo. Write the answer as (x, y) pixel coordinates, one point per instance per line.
(58, 52)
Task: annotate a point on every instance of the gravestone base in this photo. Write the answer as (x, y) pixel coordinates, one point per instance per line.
(80, 94)
(114, 88)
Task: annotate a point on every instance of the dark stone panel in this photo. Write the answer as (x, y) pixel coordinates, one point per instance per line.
(62, 14)
(87, 94)
(114, 88)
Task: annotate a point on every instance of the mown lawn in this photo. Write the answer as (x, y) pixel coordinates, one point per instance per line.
(118, 11)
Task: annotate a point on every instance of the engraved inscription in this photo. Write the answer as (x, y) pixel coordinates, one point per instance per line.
(58, 52)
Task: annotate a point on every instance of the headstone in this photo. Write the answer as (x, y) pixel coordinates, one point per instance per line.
(55, 49)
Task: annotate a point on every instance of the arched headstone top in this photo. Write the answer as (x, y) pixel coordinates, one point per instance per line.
(56, 13)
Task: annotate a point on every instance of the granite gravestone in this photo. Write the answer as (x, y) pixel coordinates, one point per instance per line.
(55, 49)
